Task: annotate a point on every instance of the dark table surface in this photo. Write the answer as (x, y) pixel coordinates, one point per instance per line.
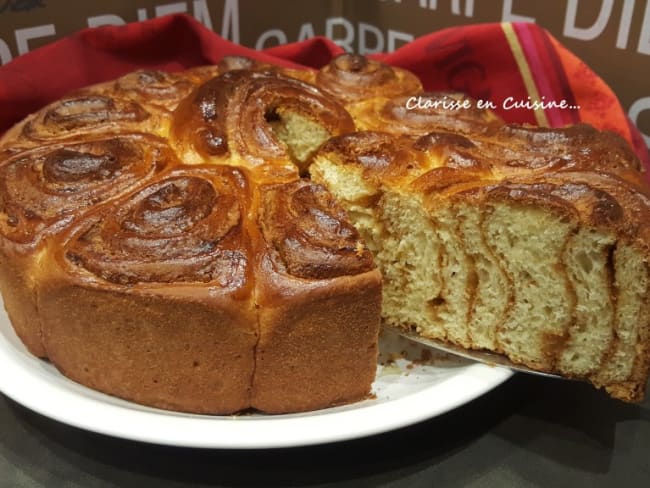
(530, 431)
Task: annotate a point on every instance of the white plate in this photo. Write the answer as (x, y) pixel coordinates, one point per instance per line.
(405, 392)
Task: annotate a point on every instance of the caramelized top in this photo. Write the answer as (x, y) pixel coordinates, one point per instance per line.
(577, 171)
(351, 78)
(230, 118)
(47, 187)
(155, 87)
(232, 63)
(84, 114)
(160, 178)
(574, 147)
(310, 234)
(185, 227)
(385, 157)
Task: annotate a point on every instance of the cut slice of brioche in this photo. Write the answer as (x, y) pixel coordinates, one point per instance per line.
(539, 268)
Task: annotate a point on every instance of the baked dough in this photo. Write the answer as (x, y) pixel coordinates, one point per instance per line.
(172, 255)
(214, 240)
(525, 241)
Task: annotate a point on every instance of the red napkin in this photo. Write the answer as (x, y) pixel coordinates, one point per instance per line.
(504, 64)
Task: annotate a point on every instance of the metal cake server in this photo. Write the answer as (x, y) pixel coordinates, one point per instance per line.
(489, 358)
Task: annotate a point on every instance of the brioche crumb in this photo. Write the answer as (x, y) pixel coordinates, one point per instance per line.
(301, 134)
(514, 278)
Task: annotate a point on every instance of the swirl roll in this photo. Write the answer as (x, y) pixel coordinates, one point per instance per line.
(310, 233)
(151, 297)
(201, 74)
(262, 120)
(310, 258)
(579, 147)
(352, 78)
(154, 87)
(86, 115)
(183, 228)
(44, 189)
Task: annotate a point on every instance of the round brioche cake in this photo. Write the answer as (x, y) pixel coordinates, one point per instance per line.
(231, 237)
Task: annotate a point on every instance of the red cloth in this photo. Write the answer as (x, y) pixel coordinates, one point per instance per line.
(488, 61)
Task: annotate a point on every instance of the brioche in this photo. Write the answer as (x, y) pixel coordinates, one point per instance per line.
(158, 244)
(230, 237)
(527, 242)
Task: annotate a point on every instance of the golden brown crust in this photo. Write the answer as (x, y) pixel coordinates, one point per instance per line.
(45, 188)
(228, 120)
(85, 115)
(158, 244)
(351, 78)
(319, 298)
(161, 347)
(586, 178)
(19, 301)
(185, 227)
(134, 272)
(158, 89)
(201, 74)
(305, 359)
(309, 232)
(156, 289)
(317, 338)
